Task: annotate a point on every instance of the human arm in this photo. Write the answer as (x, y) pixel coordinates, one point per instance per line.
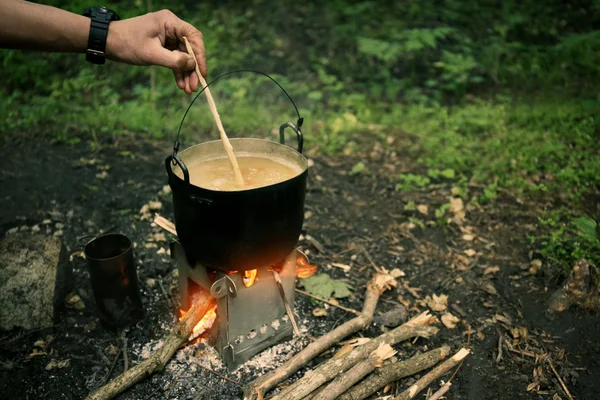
(151, 39)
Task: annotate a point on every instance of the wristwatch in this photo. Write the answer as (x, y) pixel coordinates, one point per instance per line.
(100, 17)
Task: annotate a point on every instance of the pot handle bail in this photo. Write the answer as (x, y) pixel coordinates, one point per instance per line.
(173, 160)
(296, 128)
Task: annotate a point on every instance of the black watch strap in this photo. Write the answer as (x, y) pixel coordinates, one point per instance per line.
(100, 20)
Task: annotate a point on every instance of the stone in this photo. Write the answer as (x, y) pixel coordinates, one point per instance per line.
(35, 277)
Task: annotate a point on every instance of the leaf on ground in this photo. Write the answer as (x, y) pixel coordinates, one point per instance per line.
(470, 252)
(423, 209)
(74, 301)
(437, 303)
(450, 320)
(491, 270)
(397, 273)
(57, 364)
(535, 266)
(456, 205)
(489, 288)
(448, 173)
(319, 312)
(321, 285)
(588, 228)
(358, 168)
(102, 175)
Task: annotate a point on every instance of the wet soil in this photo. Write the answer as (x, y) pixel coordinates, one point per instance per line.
(481, 261)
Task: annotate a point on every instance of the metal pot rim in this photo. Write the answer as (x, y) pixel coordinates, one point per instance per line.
(303, 162)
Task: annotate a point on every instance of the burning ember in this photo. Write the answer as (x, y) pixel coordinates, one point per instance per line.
(249, 277)
(303, 268)
(205, 323)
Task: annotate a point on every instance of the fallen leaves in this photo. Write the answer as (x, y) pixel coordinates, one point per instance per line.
(102, 175)
(489, 288)
(491, 270)
(470, 252)
(457, 207)
(535, 266)
(148, 209)
(449, 320)
(358, 168)
(437, 303)
(319, 312)
(322, 285)
(397, 273)
(74, 301)
(57, 364)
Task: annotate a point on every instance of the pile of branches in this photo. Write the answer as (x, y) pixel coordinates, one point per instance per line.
(360, 369)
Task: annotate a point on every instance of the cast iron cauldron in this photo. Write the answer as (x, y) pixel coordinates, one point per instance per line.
(243, 229)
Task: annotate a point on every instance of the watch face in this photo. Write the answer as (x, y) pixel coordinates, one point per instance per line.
(102, 10)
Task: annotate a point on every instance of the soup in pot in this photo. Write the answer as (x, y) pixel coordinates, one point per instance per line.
(257, 172)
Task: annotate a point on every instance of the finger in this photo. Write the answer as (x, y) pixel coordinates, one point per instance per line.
(186, 77)
(179, 79)
(173, 59)
(194, 82)
(195, 39)
(176, 29)
(193, 76)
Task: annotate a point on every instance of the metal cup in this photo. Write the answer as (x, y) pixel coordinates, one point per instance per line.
(114, 280)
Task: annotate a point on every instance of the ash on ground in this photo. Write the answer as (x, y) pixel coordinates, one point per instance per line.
(196, 371)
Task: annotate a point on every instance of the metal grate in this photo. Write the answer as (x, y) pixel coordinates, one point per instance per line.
(249, 319)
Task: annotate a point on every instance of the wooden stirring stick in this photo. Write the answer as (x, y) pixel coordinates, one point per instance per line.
(213, 109)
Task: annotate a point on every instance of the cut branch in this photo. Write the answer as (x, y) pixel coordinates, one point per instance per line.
(165, 224)
(380, 282)
(312, 296)
(416, 327)
(393, 372)
(157, 360)
(343, 382)
(441, 391)
(435, 374)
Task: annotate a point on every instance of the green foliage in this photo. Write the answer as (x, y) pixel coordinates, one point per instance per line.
(358, 168)
(323, 286)
(410, 181)
(589, 229)
(447, 173)
(503, 95)
(565, 240)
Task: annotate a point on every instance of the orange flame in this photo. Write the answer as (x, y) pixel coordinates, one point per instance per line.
(206, 322)
(306, 270)
(303, 268)
(249, 277)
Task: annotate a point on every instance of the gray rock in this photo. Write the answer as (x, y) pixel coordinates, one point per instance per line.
(393, 318)
(35, 277)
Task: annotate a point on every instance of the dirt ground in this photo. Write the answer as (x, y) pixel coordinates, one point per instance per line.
(481, 260)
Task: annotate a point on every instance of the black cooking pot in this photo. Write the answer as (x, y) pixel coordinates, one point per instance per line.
(242, 229)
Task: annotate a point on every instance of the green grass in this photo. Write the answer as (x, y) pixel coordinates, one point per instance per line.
(502, 97)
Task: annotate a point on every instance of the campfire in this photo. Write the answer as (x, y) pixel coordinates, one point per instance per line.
(205, 323)
(239, 331)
